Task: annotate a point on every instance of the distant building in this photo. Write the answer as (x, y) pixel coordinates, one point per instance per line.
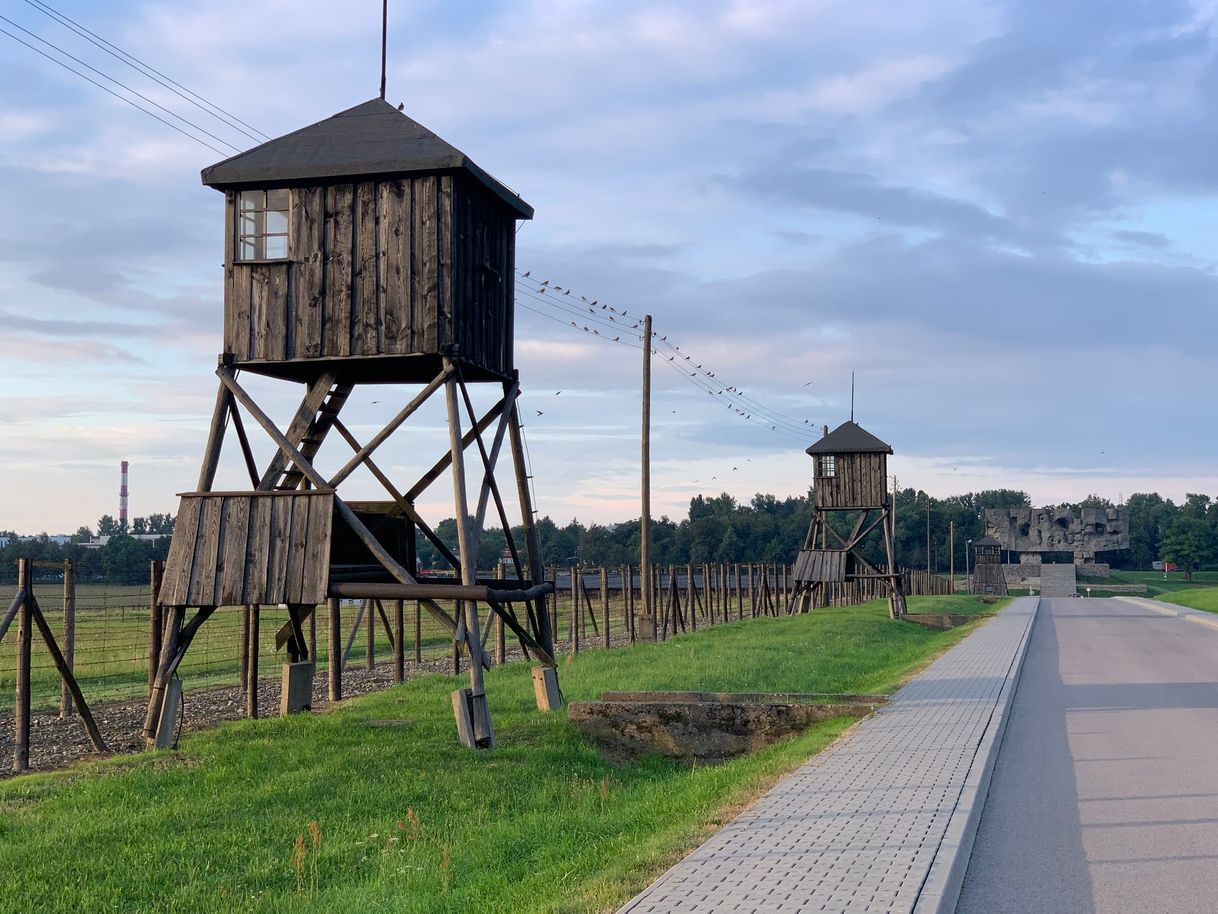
(98, 541)
(4, 541)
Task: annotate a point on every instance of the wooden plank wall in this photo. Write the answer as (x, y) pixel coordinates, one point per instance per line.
(392, 267)
(861, 482)
(820, 565)
(240, 548)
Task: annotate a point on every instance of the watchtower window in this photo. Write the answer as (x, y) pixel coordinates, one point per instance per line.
(262, 224)
(826, 466)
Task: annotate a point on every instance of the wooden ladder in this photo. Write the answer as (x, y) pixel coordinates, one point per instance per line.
(311, 443)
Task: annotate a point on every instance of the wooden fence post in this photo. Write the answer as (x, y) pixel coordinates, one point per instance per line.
(156, 621)
(21, 711)
(334, 651)
(251, 661)
(369, 635)
(69, 634)
(574, 611)
(399, 640)
(243, 650)
(500, 636)
(605, 603)
(418, 631)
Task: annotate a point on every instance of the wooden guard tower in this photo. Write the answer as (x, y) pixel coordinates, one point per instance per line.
(851, 467)
(360, 250)
(988, 576)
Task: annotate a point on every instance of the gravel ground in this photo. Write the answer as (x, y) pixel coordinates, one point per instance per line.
(57, 742)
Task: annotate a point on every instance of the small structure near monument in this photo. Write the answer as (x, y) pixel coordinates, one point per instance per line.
(851, 476)
(987, 576)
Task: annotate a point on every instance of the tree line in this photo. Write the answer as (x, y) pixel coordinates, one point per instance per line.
(715, 529)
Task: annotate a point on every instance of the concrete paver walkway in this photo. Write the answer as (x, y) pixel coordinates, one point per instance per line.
(876, 822)
(1104, 797)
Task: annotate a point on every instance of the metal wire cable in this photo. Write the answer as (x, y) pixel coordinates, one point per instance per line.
(225, 117)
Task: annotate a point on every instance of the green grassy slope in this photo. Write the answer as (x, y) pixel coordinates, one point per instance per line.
(405, 820)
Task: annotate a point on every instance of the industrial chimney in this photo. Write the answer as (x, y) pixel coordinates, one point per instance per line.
(122, 501)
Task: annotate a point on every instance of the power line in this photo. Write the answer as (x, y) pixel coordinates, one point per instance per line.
(560, 300)
(553, 297)
(151, 114)
(225, 117)
(123, 85)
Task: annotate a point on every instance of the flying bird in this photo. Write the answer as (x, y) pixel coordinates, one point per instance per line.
(807, 384)
(557, 392)
(540, 413)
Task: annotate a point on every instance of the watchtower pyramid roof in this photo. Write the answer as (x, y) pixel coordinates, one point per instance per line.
(373, 138)
(849, 438)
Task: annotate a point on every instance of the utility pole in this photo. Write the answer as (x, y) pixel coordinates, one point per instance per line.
(894, 520)
(645, 627)
(951, 552)
(928, 533)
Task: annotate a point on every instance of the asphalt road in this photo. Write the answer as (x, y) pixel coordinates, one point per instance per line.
(1104, 795)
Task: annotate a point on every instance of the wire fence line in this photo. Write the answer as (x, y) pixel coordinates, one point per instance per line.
(112, 651)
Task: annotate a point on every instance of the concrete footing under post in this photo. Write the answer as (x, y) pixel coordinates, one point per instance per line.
(545, 688)
(297, 692)
(473, 718)
(171, 708)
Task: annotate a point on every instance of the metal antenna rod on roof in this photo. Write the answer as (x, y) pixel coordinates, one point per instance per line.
(384, 42)
(852, 396)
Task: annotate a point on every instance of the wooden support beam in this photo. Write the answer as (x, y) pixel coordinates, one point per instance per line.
(215, 441)
(380, 437)
(239, 427)
(413, 493)
(307, 470)
(297, 428)
(400, 500)
(65, 672)
(484, 734)
(544, 627)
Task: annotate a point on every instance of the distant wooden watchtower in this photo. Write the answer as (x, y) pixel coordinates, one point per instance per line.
(362, 249)
(988, 575)
(851, 472)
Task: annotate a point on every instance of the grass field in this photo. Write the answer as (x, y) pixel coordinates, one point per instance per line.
(1205, 598)
(1159, 582)
(330, 813)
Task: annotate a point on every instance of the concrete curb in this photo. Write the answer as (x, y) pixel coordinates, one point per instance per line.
(941, 889)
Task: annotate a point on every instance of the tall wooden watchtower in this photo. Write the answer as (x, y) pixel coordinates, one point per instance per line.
(360, 250)
(988, 576)
(851, 472)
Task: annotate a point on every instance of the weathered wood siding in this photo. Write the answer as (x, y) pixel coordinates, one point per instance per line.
(229, 549)
(861, 482)
(819, 565)
(390, 267)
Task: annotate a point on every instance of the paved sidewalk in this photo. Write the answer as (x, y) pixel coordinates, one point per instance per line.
(873, 823)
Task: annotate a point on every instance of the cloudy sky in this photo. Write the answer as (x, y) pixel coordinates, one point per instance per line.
(999, 215)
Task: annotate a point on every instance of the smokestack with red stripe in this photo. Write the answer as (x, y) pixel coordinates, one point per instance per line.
(122, 500)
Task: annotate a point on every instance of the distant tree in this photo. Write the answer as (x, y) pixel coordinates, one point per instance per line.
(108, 526)
(1189, 542)
(139, 525)
(160, 523)
(82, 535)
